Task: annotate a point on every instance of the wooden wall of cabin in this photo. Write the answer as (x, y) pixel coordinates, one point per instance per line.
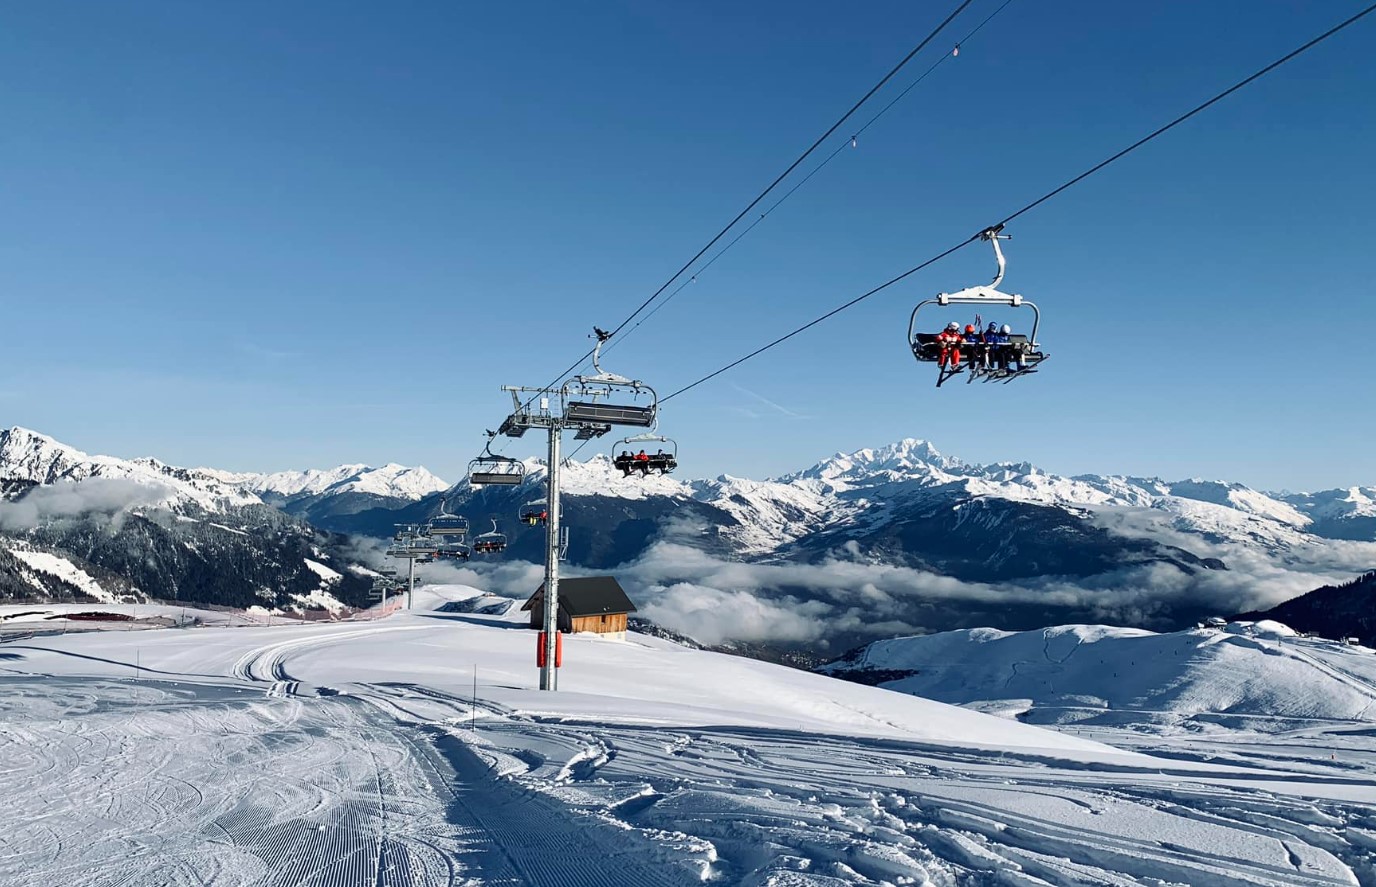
(612, 622)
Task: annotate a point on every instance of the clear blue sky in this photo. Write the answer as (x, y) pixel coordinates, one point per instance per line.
(261, 236)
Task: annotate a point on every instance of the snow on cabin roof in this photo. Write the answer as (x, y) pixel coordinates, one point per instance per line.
(588, 596)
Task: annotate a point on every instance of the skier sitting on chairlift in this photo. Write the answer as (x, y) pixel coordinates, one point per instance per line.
(624, 463)
(991, 340)
(950, 340)
(974, 340)
(1008, 352)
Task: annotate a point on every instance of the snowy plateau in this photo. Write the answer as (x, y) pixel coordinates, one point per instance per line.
(413, 749)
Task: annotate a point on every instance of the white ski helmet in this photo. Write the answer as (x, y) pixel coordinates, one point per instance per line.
(953, 326)
(1006, 329)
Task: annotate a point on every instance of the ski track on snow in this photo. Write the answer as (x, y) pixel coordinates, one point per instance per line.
(187, 782)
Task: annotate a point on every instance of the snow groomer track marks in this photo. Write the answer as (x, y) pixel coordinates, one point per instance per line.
(208, 785)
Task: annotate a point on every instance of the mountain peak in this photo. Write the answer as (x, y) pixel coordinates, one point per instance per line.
(908, 458)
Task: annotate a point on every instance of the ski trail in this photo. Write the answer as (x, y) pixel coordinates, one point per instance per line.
(538, 842)
(192, 785)
(871, 811)
(267, 664)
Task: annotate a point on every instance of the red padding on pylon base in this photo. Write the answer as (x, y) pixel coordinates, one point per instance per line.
(558, 650)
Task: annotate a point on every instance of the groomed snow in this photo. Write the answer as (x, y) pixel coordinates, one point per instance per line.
(415, 751)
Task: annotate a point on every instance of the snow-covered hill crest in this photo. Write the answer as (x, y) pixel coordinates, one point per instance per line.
(1260, 673)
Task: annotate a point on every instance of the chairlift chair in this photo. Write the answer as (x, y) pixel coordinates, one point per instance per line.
(490, 469)
(1024, 350)
(534, 513)
(452, 551)
(490, 543)
(588, 398)
(661, 461)
(445, 524)
(413, 550)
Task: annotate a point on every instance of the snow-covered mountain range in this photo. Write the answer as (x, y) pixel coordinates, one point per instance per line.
(859, 491)
(881, 541)
(75, 526)
(902, 537)
(27, 455)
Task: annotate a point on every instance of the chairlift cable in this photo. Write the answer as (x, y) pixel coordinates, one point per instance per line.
(1038, 202)
(816, 169)
(576, 450)
(1187, 115)
(810, 324)
(961, 42)
(772, 185)
(795, 164)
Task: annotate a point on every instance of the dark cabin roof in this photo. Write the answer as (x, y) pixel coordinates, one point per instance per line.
(588, 596)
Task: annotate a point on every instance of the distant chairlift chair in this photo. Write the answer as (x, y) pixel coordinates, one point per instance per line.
(660, 460)
(489, 469)
(445, 524)
(490, 543)
(534, 513)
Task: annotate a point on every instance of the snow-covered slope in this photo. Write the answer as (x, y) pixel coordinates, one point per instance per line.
(652, 765)
(1261, 673)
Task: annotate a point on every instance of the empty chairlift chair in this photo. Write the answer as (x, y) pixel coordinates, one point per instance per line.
(597, 402)
(489, 469)
(445, 525)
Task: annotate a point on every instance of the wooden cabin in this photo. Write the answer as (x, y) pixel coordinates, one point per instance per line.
(591, 603)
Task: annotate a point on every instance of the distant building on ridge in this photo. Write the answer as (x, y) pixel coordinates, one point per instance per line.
(592, 603)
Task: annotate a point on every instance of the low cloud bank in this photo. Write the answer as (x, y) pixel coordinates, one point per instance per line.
(93, 496)
(841, 602)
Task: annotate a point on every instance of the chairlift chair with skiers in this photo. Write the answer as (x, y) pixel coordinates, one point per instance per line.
(456, 551)
(1016, 355)
(490, 543)
(534, 513)
(627, 455)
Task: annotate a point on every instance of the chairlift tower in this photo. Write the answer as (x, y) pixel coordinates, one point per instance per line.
(410, 544)
(582, 405)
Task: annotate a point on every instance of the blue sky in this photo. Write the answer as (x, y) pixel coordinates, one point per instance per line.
(263, 236)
